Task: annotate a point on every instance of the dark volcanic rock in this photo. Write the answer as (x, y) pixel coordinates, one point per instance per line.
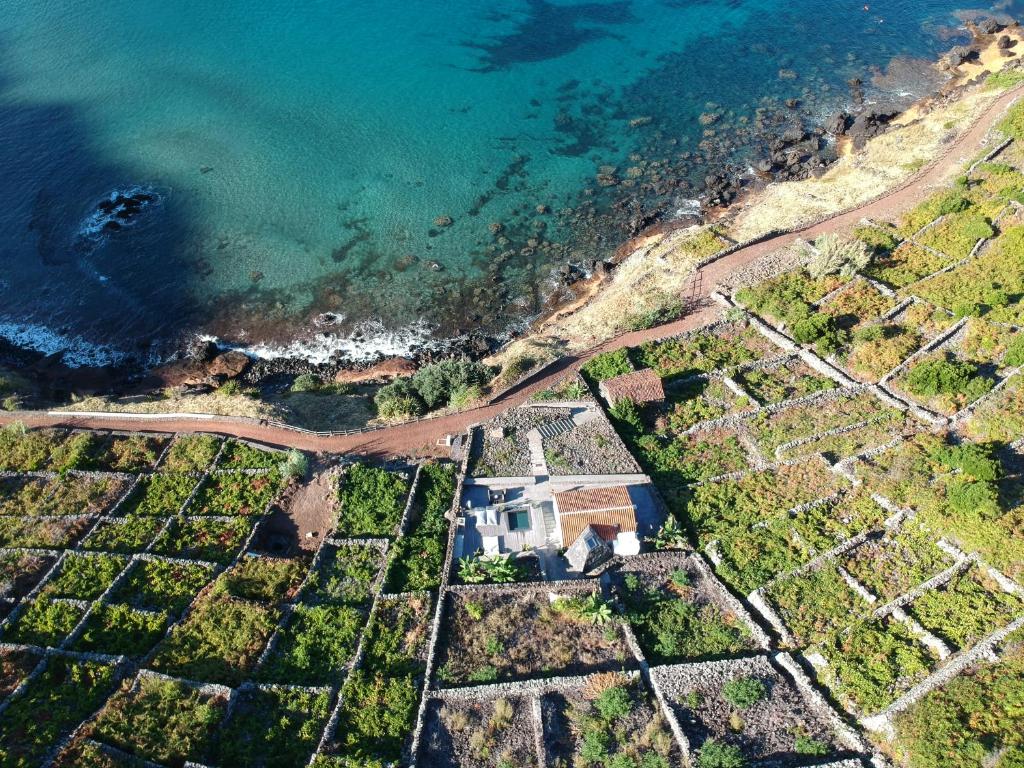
(837, 124)
(870, 123)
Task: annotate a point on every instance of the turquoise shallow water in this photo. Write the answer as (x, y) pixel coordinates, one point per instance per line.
(297, 155)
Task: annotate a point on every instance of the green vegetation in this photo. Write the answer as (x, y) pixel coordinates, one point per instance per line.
(966, 609)
(161, 720)
(703, 351)
(672, 625)
(219, 642)
(25, 451)
(446, 383)
(277, 728)
(376, 717)
(812, 604)
(1013, 124)
(315, 645)
(418, 557)
(346, 574)
(744, 692)
(84, 577)
(264, 579)
(239, 455)
(606, 365)
(489, 569)
(228, 493)
(971, 721)
(53, 704)
(125, 535)
(719, 754)
(874, 662)
(154, 585)
(191, 453)
(214, 539)
(160, 495)
(372, 501)
(44, 622)
(121, 630)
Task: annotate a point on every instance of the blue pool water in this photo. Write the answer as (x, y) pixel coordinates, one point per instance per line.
(294, 158)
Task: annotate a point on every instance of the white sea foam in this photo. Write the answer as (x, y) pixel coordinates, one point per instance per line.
(368, 342)
(75, 351)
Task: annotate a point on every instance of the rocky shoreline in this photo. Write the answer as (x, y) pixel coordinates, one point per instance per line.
(783, 146)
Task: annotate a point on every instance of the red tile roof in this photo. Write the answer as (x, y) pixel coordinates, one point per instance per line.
(640, 387)
(609, 510)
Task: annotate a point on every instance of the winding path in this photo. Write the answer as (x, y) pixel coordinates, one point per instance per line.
(421, 437)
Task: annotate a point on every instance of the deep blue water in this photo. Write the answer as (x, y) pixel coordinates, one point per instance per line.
(295, 156)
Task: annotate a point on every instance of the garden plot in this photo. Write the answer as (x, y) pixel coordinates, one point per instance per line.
(815, 602)
(967, 608)
(720, 507)
(42, 532)
(162, 720)
(676, 612)
(416, 559)
(21, 571)
(786, 380)
(991, 283)
(714, 348)
(872, 663)
(609, 718)
(972, 720)
(347, 573)
(43, 622)
(896, 561)
(235, 493)
(83, 576)
(691, 401)
(51, 706)
(847, 442)
(22, 495)
(61, 496)
(213, 539)
(100, 452)
(494, 634)
(485, 733)
(692, 457)
(240, 455)
(999, 417)
(500, 449)
(156, 584)
(372, 500)
(591, 447)
(191, 454)
(160, 495)
(276, 727)
(747, 558)
(788, 298)
(907, 264)
(858, 303)
(746, 711)
(771, 430)
(379, 700)
(965, 368)
(124, 534)
(877, 349)
(219, 641)
(15, 666)
(955, 490)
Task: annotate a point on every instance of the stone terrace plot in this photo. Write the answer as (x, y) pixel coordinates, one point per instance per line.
(677, 612)
(715, 348)
(748, 708)
(610, 710)
(494, 733)
(513, 633)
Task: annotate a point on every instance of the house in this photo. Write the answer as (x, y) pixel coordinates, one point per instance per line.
(588, 516)
(640, 386)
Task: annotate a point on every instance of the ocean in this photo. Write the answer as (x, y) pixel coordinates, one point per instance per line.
(324, 178)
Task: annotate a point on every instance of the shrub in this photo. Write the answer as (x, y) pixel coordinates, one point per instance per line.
(191, 453)
(435, 383)
(397, 401)
(719, 754)
(492, 569)
(832, 255)
(613, 703)
(607, 365)
(1014, 356)
(945, 376)
(516, 368)
(744, 692)
(294, 464)
(878, 241)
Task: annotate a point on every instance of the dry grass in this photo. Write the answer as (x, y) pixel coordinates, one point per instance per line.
(212, 403)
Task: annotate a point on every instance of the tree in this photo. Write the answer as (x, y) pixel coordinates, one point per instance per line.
(435, 383)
